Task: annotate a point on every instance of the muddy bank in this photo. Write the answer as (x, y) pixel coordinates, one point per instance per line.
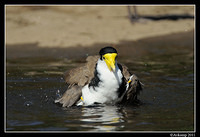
(67, 26)
(184, 41)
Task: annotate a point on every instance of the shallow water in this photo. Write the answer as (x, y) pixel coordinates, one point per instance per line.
(167, 72)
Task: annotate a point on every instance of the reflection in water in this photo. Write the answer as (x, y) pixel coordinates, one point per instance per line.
(103, 118)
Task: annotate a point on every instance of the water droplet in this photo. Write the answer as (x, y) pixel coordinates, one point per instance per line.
(28, 103)
(46, 99)
(58, 94)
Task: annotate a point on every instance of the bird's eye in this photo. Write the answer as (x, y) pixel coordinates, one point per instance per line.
(104, 58)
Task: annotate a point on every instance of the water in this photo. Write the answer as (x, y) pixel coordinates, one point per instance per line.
(33, 83)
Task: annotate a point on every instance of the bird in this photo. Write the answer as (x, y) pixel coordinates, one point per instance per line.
(101, 80)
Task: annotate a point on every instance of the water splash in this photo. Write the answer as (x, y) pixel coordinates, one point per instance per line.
(58, 94)
(28, 103)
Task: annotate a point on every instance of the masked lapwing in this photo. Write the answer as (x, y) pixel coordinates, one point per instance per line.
(101, 80)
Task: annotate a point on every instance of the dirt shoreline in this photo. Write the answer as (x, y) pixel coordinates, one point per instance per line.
(71, 26)
(137, 48)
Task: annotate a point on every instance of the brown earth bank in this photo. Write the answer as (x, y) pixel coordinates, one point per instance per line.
(139, 48)
(69, 26)
(74, 32)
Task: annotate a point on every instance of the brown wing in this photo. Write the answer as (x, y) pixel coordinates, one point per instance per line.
(135, 86)
(70, 97)
(77, 78)
(82, 75)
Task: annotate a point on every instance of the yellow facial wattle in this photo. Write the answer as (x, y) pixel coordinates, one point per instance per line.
(109, 58)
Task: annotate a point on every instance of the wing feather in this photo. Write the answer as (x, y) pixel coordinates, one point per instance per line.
(82, 75)
(135, 86)
(76, 79)
(71, 96)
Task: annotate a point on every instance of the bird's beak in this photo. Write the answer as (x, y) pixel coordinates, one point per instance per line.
(109, 58)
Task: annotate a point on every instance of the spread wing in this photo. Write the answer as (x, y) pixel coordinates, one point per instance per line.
(77, 78)
(133, 83)
(82, 75)
(70, 97)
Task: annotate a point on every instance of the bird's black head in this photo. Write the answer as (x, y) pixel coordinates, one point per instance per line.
(106, 50)
(109, 54)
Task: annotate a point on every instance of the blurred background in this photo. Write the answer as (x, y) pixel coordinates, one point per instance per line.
(156, 42)
(86, 26)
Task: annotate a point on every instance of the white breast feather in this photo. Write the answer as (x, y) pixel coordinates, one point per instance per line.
(106, 92)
